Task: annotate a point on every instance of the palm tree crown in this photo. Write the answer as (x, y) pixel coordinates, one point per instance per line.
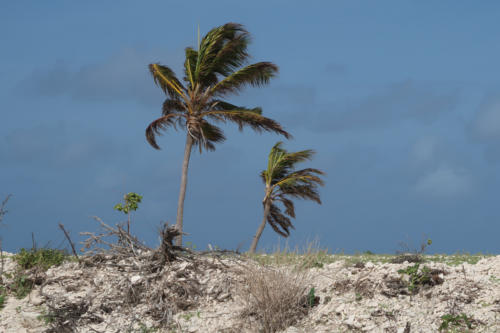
(210, 73)
(283, 183)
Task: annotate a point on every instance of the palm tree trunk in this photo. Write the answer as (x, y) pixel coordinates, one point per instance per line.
(182, 190)
(267, 208)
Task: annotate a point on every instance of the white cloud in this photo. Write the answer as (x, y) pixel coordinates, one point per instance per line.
(445, 181)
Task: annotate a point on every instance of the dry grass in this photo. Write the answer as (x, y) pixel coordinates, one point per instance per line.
(312, 255)
(275, 298)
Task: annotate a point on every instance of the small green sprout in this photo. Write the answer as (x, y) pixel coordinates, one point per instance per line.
(132, 201)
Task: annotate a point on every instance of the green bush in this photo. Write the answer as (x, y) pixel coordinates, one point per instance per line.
(41, 258)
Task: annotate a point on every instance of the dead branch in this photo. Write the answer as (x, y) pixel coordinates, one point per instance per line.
(3, 211)
(61, 226)
(125, 244)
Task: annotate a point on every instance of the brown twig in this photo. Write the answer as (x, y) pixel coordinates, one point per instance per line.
(3, 211)
(61, 226)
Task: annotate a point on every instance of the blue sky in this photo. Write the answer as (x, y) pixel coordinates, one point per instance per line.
(400, 99)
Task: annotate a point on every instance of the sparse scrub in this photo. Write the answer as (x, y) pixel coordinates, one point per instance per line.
(415, 256)
(31, 266)
(21, 286)
(40, 258)
(276, 297)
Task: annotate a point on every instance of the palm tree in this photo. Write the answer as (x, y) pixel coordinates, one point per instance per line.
(211, 72)
(283, 183)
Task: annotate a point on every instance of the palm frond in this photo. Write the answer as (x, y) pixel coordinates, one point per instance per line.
(225, 106)
(190, 65)
(166, 79)
(289, 206)
(157, 126)
(257, 74)
(308, 192)
(210, 46)
(172, 106)
(303, 177)
(251, 118)
(232, 55)
(280, 223)
(281, 163)
(210, 135)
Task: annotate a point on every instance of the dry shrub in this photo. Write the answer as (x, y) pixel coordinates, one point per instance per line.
(275, 298)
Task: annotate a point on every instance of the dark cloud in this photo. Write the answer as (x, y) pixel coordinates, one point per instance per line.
(122, 77)
(401, 101)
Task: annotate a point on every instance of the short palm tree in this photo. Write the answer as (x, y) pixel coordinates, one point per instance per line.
(284, 183)
(217, 68)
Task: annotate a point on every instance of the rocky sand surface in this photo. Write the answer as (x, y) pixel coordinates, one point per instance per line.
(205, 295)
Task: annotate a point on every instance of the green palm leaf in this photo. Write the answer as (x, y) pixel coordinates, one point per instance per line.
(166, 79)
(255, 75)
(157, 126)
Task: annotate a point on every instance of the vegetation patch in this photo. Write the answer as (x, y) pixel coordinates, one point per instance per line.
(39, 258)
(418, 277)
(31, 265)
(21, 286)
(456, 323)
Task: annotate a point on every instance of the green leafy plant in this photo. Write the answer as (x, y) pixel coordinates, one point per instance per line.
(311, 297)
(131, 203)
(461, 320)
(417, 277)
(41, 258)
(21, 286)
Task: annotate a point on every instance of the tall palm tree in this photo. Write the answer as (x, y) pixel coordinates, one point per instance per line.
(283, 183)
(217, 68)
